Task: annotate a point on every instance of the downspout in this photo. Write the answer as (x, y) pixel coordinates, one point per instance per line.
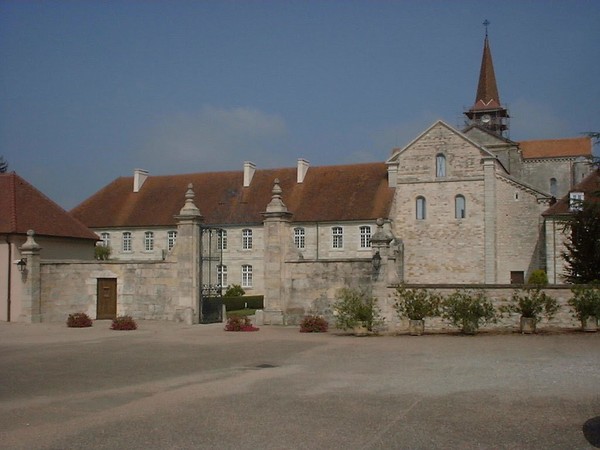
(9, 287)
(317, 256)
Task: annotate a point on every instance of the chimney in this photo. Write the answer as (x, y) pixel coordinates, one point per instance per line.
(139, 177)
(303, 166)
(249, 169)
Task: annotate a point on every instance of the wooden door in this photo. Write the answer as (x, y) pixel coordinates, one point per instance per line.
(107, 298)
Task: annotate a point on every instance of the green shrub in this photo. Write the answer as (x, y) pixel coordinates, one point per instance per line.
(102, 252)
(235, 290)
(416, 304)
(123, 323)
(313, 324)
(79, 320)
(249, 301)
(355, 307)
(538, 278)
(532, 303)
(585, 301)
(468, 310)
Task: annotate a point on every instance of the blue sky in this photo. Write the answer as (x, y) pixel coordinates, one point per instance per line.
(90, 90)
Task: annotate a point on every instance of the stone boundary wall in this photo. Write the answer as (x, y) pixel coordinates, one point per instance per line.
(499, 294)
(310, 285)
(145, 290)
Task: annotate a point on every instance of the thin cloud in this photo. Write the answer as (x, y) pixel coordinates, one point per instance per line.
(213, 139)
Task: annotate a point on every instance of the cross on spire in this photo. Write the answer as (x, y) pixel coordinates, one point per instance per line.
(485, 24)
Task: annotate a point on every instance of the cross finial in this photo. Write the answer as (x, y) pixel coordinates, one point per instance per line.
(485, 24)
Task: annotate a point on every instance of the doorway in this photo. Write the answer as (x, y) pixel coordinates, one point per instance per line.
(107, 298)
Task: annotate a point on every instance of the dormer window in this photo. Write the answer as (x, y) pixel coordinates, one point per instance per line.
(440, 165)
(576, 201)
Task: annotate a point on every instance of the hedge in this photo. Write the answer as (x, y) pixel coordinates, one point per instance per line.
(236, 303)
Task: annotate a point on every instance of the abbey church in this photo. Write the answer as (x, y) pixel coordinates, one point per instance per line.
(456, 206)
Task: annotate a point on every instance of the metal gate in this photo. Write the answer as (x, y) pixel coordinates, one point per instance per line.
(211, 289)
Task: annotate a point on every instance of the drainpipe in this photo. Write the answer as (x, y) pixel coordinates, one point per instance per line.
(9, 287)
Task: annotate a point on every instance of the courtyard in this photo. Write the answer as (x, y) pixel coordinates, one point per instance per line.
(175, 386)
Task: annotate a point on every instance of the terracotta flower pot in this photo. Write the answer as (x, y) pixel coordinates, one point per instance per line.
(416, 327)
(527, 325)
(590, 323)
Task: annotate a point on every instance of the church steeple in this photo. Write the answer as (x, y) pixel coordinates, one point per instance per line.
(487, 110)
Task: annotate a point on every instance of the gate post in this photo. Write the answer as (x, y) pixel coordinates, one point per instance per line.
(188, 259)
(31, 301)
(276, 234)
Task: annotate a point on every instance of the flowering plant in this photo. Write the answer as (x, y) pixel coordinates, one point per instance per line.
(239, 323)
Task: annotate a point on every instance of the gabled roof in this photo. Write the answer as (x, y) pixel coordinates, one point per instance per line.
(554, 148)
(395, 155)
(23, 208)
(589, 185)
(328, 193)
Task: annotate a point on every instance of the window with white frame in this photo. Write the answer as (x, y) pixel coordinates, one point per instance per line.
(460, 207)
(299, 236)
(222, 240)
(337, 237)
(148, 241)
(440, 165)
(126, 243)
(171, 239)
(365, 236)
(105, 239)
(222, 275)
(421, 206)
(246, 239)
(247, 276)
(576, 201)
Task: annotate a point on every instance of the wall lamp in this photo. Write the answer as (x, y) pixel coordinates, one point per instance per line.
(22, 264)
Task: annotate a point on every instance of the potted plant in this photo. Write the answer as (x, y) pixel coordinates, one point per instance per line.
(585, 304)
(468, 310)
(356, 310)
(416, 304)
(532, 305)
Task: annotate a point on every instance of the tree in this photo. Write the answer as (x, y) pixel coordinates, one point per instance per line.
(582, 255)
(3, 165)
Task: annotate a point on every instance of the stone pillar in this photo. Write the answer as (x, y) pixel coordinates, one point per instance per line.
(187, 253)
(31, 304)
(383, 263)
(489, 220)
(276, 236)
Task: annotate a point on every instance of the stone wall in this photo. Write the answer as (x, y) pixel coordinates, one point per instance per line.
(499, 294)
(145, 290)
(310, 286)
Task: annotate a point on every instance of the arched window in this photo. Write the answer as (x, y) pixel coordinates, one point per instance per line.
(440, 165)
(299, 238)
(553, 187)
(460, 207)
(421, 208)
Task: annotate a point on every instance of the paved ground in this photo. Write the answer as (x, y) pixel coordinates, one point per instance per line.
(171, 386)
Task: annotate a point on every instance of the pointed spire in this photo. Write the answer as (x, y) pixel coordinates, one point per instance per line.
(487, 111)
(487, 90)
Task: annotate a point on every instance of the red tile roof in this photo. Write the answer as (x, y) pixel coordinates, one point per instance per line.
(554, 148)
(23, 208)
(589, 185)
(329, 193)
